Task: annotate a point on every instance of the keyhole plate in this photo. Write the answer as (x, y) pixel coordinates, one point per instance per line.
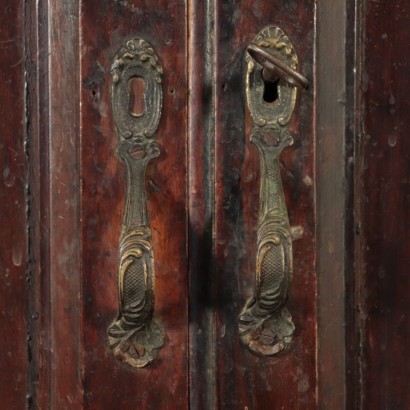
(271, 108)
(136, 114)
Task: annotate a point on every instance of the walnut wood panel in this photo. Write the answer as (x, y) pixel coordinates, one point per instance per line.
(245, 380)
(107, 383)
(383, 205)
(14, 383)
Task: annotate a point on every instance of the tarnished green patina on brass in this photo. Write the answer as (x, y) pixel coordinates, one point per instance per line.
(265, 324)
(135, 336)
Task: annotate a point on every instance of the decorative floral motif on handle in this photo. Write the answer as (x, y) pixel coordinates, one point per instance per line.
(135, 336)
(265, 324)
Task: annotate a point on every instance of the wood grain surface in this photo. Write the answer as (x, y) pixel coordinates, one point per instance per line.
(14, 275)
(201, 106)
(334, 213)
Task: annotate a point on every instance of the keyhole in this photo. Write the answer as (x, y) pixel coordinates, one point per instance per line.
(136, 89)
(270, 93)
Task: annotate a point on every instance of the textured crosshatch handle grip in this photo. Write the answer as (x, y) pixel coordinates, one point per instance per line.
(135, 336)
(265, 324)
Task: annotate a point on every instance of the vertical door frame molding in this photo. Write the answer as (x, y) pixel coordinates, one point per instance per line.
(335, 83)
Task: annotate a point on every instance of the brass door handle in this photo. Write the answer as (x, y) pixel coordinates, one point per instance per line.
(265, 324)
(135, 336)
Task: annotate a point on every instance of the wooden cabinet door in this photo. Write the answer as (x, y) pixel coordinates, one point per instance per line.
(124, 274)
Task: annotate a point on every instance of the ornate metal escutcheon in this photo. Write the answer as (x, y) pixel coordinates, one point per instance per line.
(135, 336)
(265, 324)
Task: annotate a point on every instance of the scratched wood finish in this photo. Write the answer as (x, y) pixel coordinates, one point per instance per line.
(383, 206)
(13, 232)
(107, 383)
(64, 207)
(245, 380)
